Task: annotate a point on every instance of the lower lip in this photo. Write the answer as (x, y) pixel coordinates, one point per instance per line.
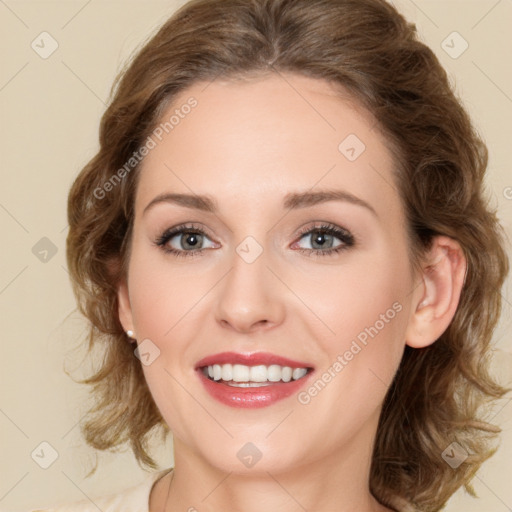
(251, 397)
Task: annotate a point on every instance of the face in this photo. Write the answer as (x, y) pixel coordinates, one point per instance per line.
(296, 257)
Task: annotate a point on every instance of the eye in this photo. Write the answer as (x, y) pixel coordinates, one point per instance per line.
(184, 240)
(187, 240)
(322, 240)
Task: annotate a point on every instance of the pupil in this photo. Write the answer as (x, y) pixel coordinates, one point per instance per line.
(321, 238)
(191, 240)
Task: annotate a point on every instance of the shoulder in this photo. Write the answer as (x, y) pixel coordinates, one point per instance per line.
(133, 499)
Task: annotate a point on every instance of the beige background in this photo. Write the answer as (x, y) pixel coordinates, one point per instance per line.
(50, 110)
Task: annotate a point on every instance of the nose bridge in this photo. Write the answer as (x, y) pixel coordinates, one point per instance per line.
(249, 296)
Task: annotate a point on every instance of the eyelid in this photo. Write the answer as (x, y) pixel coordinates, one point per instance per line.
(187, 227)
(320, 225)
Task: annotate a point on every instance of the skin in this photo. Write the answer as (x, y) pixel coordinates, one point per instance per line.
(247, 145)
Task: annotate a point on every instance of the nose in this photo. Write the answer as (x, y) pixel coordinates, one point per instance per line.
(250, 298)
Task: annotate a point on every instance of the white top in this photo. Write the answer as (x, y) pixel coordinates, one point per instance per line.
(134, 499)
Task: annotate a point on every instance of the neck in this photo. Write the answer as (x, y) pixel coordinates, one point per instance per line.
(338, 482)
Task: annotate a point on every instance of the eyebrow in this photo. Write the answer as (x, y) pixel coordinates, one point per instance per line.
(292, 201)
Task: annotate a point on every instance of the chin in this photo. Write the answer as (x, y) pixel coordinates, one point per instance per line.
(243, 456)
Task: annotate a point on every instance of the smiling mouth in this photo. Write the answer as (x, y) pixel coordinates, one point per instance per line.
(242, 376)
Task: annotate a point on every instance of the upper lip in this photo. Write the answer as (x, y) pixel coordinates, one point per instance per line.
(248, 359)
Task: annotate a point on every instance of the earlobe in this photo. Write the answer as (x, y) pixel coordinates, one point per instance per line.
(436, 299)
(124, 306)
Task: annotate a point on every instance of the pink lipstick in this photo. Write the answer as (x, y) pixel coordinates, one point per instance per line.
(251, 380)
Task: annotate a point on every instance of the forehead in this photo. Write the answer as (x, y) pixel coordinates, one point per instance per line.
(259, 139)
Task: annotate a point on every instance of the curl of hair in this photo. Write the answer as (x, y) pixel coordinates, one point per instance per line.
(440, 393)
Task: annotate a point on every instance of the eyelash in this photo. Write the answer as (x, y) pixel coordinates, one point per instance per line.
(344, 235)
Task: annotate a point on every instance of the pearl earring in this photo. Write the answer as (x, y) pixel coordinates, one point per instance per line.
(130, 334)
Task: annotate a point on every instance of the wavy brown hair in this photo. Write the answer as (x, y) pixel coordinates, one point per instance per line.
(440, 392)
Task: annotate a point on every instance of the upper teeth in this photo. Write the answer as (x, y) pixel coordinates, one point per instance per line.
(260, 373)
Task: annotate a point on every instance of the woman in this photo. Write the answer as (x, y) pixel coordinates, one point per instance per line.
(285, 252)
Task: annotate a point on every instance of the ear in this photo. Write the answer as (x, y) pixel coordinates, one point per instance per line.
(436, 299)
(124, 306)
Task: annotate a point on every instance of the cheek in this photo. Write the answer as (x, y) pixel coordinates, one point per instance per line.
(360, 362)
(365, 312)
(161, 295)
(163, 312)
(351, 297)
